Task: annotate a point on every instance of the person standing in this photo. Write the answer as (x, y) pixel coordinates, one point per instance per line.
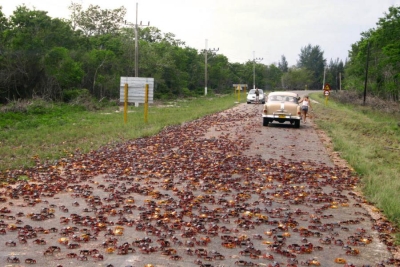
(305, 106)
(257, 95)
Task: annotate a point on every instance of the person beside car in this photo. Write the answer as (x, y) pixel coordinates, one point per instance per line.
(305, 105)
(257, 95)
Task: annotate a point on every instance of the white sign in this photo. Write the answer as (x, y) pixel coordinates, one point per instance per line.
(136, 89)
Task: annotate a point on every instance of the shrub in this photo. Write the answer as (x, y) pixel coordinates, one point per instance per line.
(357, 98)
(83, 98)
(35, 105)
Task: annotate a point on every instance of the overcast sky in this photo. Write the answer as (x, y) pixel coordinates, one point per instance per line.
(242, 29)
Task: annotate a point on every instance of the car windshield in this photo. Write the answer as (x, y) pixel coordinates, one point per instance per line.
(281, 98)
(253, 91)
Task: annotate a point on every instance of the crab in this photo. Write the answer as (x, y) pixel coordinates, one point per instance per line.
(13, 259)
(30, 261)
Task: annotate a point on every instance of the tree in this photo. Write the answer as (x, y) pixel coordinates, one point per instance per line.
(237, 73)
(29, 35)
(384, 67)
(273, 77)
(4, 27)
(312, 59)
(283, 64)
(297, 78)
(335, 68)
(4, 24)
(219, 75)
(96, 21)
(101, 77)
(154, 35)
(59, 66)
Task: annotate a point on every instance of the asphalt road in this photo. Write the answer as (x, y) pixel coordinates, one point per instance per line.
(219, 191)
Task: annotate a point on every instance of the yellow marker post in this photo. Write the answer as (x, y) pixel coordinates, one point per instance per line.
(326, 93)
(126, 103)
(146, 102)
(238, 89)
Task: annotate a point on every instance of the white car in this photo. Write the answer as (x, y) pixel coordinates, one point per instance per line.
(251, 96)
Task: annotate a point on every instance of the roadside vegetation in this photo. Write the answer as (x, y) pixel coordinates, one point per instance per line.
(368, 138)
(37, 130)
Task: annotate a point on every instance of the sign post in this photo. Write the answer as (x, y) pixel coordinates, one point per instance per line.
(237, 88)
(327, 91)
(136, 93)
(136, 90)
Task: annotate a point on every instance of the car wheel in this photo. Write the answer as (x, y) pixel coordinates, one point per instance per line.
(248, 102)
(263, 102)
(297, 124)
(265, 122)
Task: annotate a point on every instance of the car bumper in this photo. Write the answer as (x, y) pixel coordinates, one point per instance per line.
(253, 100)
(281, 117)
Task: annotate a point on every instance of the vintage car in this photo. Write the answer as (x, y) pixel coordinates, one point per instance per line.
(282, 107)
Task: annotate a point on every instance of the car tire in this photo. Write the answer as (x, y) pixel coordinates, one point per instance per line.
(265, 122)
(297, 123)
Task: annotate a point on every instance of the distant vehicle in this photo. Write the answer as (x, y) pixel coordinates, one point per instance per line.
(282, 107)
(251, 96)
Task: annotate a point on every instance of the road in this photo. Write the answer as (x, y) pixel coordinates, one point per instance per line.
(223, 185)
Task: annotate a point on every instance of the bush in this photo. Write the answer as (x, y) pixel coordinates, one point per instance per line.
(33, 106)
(83, 98)
(187, 93)
(72, 94)
(357, 98)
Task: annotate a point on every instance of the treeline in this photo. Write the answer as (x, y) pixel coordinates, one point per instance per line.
(57, 59)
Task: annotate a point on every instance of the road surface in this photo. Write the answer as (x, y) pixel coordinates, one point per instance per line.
(219, 191)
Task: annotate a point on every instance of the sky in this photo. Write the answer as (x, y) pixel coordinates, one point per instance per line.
(244, 30)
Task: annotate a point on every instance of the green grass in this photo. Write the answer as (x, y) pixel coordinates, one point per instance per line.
(59, 130)
(370, 142)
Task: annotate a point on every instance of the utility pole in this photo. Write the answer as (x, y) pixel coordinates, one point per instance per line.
(136, 25)
(136, 45)
(254, 68)
(205, 65)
